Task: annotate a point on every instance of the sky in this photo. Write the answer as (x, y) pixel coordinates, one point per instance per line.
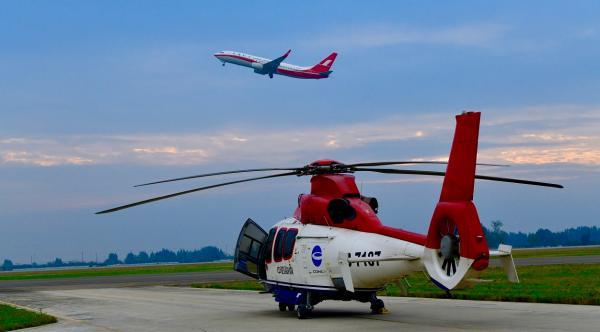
(98, 96)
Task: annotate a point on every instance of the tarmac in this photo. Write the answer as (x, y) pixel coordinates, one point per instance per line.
(170, 279)
(135, 303)
(160, 308)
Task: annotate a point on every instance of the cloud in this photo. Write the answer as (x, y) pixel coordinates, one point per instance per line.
(41, 159)
(225, 145)
(585, 155)
(532, 135)
(479, 35)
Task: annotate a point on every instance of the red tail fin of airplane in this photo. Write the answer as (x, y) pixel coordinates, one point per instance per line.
(325, 64)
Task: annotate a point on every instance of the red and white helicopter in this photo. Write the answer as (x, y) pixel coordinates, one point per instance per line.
(336, 248)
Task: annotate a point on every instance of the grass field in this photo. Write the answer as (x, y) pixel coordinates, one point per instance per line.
(12, 318)
(572, 284)
(554, 252)
(114, 271)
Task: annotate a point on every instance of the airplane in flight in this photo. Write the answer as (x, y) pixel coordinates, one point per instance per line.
(270, 67)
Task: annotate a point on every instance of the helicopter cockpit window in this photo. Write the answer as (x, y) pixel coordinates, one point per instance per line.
(278, 248)
(269, 245)
(290, 241)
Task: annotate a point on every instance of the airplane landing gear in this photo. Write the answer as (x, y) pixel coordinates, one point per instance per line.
(223, 64)
(377, 306)
(270, 75)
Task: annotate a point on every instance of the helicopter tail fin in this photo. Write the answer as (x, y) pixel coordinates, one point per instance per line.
(455, 240)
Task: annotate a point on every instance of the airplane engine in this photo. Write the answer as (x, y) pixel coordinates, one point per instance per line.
(258, 68)
(455, 243)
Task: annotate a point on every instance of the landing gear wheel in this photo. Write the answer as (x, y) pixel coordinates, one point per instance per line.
(282, 306)
(304, 311)
(291, 307)
(378, 307)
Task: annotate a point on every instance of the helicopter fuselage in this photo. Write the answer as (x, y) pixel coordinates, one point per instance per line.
(336, 259)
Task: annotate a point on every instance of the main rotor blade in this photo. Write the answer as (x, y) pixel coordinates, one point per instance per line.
(192, 190)
(219, 173)
(434, 173)
(385, 163)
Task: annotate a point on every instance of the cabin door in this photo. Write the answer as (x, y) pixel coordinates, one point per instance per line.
(248, 251)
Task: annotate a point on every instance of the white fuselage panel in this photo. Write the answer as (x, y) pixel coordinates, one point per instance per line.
(320, 253)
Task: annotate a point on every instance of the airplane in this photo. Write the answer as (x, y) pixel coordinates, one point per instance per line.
(270, 67)
(334, 247)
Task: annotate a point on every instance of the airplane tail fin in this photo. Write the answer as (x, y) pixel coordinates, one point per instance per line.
(455, 241)
(325, 65)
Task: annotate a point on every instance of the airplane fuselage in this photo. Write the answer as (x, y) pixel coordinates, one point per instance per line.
(257, 63)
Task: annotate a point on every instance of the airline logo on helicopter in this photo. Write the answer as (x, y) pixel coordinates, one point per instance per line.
(317, 256)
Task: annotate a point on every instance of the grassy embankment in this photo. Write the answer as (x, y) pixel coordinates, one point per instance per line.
(114, 271)
(12, 318)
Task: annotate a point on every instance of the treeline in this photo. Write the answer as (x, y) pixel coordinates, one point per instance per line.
(206, 254)
(579, 236)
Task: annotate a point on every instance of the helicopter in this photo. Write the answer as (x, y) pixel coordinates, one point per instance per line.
(334, 247)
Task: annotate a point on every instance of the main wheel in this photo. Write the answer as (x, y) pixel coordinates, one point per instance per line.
(377, 306)
(291, 307)
(282, 306)
(303, 311)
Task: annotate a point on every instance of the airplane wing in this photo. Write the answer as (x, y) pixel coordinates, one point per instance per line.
(271, 66)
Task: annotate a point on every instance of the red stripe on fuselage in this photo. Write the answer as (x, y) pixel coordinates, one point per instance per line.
(300, 73)
(236, 57)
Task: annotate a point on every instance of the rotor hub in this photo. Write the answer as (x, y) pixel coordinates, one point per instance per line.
(449, 246)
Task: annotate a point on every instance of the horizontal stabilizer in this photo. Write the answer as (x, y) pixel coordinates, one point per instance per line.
(504, 252)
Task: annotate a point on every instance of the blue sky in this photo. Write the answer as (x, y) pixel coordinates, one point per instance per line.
(98, 96)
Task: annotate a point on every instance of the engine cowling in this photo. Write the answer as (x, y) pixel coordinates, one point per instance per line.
(258, 67)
